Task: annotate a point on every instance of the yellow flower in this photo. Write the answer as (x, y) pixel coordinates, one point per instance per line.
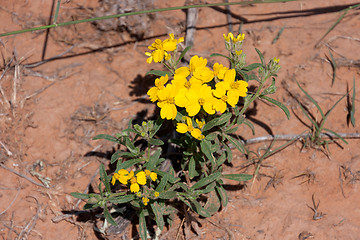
(145, 200)
(166, 101)
(140, 178)
(161, 49)
(122, 175)
(200, 96)
(159, 85)
(219, 70)
(231, 37)
(152, 175)
(200, 123)
(188, 127)
(196, 62)
(276, 60)
(156, 194)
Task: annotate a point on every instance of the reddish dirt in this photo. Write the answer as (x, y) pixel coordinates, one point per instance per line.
(99, 84)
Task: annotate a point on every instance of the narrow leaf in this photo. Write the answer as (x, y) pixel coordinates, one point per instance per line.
(223, 195)
(237, 144)
(104, 178)
(108, 217)
(237, 177)
(312, 100)
(142, 225)
(220, 55)
(352, 111)
(156, 209)
(333, 65)
(192, 168)
(217, 121)
(251, 67)
(106, 137)
(205, 181)
(328, 113)
(277, 103)
(336, 134)
(122, 199)
(80, 195)
(278, 35)
(206, 149)
(183, 54)
(261, 56)
(199, 209)
(167, 195)
(159, 73)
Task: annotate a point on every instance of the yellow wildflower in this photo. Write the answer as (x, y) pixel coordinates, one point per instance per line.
(156, 194)
(160, 49)
(145, 200)
(122, 175)
(188, 127)
(152, 175)
(200, 96)
(166, 102)
(219, 70)
(159, 85)
(140, 178)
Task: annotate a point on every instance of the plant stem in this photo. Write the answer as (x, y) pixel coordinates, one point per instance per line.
(256, 95)
(138, 13)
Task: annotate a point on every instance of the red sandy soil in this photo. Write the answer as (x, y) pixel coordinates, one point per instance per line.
(99, 84)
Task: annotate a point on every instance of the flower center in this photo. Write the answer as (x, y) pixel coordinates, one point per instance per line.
(201, 101)
(224, 98)
(187, 85)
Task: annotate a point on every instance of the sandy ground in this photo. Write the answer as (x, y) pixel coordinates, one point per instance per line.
(93, 81)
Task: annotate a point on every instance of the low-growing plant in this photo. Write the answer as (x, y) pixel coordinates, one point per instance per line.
(206, 106)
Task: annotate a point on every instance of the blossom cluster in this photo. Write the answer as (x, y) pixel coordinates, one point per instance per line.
(160, 49)
(135, 180)
(197, 89)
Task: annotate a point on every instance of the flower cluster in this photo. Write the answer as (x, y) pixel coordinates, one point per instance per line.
(125, 177)
(160, 49)
(198, 89)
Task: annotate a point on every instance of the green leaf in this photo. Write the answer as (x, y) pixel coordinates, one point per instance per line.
(155, 142)
(167, 195)
(106, 137)
(205, 181)
(328, 112)
(231, 130)
(278, 35)
(206, 149)
(228, 153)
(251, 67)
(223, 195)
(333, 65)
(271, 89)
(237, 144)
(221, 159)
(159, 73)
(277, 103)
(108, 217)
(220, 55)
(127, 164)
(157, 125)
(352, 111)
(336, 134)
(80, 195)
(161, 186)
(261, 56)
(153, 160)
(104, 178)
(238, 177)
(183, 54)
(89, 206)
(217, 121)
(156, 209)
(213, 203)
(122, 199)
(211, 136)
(142, 225)
(309, 117)
(312, 100)
(199, 209)
(192, 168)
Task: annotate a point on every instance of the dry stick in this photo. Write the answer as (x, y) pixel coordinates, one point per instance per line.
(6, 149)
(21, 175)
(1, 77)
(192, 14)
(27, 229)
(12, 202)
(286, 137)
(227, 230)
